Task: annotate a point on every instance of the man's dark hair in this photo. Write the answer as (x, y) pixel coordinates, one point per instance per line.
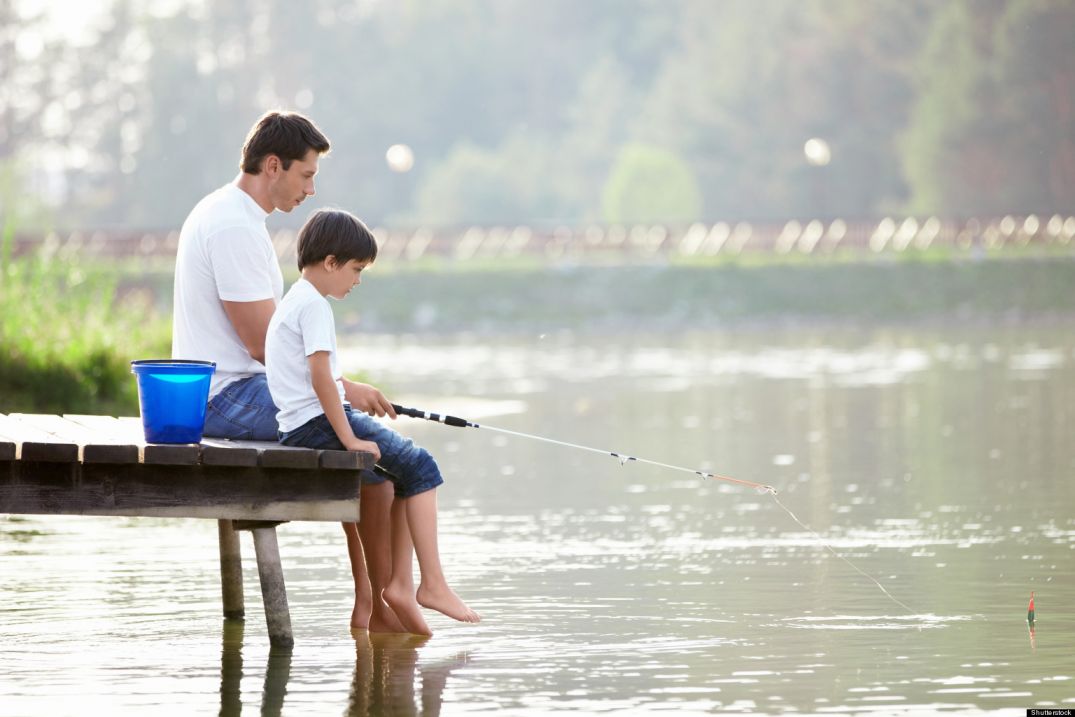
(334, 232)
(288, 135)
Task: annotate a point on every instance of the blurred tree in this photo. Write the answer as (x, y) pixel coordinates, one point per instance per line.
(948, 148)
(748, 83)
(993, 130)
(650, 185)
(27, 91)
(950, 108)
(477, 186)
(1036, 77)
(100, 126)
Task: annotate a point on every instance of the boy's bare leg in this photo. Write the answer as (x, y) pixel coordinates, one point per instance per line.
(433, 592)
(374, 527)
(400, 591)
(360, 616)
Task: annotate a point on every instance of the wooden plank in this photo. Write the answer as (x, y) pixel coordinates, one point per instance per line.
(346, 460)
(33, 444)
(289, 457)
(221, 452)
(120, 430)
(95, 448)
(179, 491)
(168, 454)
(161, 454)
(126, 431)
(275, 455)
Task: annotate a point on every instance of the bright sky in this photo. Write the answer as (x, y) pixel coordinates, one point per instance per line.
(72, 18)
(76, 19)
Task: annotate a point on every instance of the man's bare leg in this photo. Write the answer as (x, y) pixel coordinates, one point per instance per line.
(374, 528)
(400, 591)
(433, 592)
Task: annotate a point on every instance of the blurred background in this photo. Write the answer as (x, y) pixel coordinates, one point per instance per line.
(121, 114)
(654, 148)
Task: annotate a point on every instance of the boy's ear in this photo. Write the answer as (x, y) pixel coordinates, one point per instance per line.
(330, 262)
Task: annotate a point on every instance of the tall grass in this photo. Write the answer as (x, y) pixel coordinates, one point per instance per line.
(67, 336)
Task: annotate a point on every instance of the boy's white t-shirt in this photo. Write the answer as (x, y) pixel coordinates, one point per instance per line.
(301, 326)
(225, 254)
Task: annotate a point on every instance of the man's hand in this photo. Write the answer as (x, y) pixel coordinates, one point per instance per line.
(367, 399)
(368, 446)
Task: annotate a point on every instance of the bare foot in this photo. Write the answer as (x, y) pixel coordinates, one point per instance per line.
(360, 617)
(406, 609)
(443, 600)
(384, 619)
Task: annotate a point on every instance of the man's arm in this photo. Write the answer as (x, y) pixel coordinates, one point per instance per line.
(329, 398)
(251, 322)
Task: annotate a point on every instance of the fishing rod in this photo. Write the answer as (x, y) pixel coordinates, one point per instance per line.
(623, 458)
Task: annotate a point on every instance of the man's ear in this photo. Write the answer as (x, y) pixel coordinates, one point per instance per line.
(271, 165)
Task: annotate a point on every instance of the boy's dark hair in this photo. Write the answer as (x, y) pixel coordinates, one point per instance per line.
(288, 135)
(334, 232)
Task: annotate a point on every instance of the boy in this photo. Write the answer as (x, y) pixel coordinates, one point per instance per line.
(305, 383)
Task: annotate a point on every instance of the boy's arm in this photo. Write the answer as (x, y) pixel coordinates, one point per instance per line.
(367, 398)
(329, 397)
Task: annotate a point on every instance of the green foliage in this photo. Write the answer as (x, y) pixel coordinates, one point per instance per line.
(650, 185)
(993, 127)
(67, 337)
(516, 110)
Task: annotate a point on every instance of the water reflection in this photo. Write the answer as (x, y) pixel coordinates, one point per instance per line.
(383, 680)
(384, 677)
(277, 672)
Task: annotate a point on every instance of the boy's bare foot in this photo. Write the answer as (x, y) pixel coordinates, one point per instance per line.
(444, 600)
(384, 619)
(406, 609)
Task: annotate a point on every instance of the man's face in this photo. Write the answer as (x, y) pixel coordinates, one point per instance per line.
(290, 187)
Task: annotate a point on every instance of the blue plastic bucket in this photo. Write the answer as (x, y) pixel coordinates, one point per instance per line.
(172, 395)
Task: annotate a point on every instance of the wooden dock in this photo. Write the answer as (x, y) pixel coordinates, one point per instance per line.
(99, 465)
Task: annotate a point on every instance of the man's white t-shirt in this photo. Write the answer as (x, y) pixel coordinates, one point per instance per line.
(301, 326)
(225, 254)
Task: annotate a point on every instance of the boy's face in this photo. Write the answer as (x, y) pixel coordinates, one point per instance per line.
(343, 277)
(289, 187)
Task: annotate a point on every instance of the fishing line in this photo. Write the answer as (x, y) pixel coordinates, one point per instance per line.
(833, 551)
(621, 457)
(624, 459)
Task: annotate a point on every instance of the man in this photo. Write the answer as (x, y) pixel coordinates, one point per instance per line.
(227, 285)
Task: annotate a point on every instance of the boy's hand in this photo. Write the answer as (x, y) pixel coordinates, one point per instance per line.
(368, 446)
(367, 399)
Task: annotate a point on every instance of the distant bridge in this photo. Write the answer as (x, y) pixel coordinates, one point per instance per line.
(614, 243)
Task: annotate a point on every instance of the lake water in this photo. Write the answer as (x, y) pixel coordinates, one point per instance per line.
(939, 462)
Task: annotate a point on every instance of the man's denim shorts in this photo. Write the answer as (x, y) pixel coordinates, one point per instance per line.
(409, 466)
(243, 410)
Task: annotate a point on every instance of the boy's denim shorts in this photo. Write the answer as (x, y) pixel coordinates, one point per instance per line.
(243, 410)
(410, 467)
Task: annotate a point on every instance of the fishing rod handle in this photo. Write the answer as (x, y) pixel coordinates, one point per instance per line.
(446, 420)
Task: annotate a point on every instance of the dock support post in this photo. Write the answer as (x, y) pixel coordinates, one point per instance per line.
(273, 593)
(231, 572)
